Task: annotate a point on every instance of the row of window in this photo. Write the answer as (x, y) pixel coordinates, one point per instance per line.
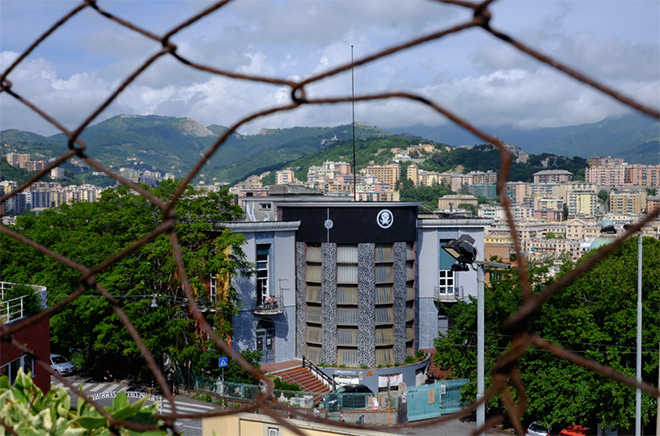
(349, 294)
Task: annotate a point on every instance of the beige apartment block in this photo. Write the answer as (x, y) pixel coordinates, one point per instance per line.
(564, 189)
(412, 174)
(488, 177)
(555, 249)
(451, 202)
(517, 191)
(389, 174)
(458, 181)
(583, 203)
(628, 202)
(652, 203)
(284, 177)
(553, 176)
(582, 229)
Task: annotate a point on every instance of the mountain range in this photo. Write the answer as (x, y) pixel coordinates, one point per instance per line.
(174, 145)
(634, 137)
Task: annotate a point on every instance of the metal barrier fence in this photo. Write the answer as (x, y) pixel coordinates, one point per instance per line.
(506, 375)
(432, 400)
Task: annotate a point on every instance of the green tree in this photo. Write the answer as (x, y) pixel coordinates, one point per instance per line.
(594, 317)
(469, 207)
(604, 196)
(90, 233)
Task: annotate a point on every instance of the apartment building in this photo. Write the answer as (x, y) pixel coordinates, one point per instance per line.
(652, 203)
(388, 174)
(586, 229)
(583, 203)
(451, 202)
(552, 176)
(623, 174)
(284, 177)
(628, 202)
(517, 191)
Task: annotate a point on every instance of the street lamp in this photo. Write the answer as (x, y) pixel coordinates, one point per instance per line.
(464, 251)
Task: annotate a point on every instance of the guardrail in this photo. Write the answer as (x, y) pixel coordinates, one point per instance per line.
(325, 378)
(11, 310)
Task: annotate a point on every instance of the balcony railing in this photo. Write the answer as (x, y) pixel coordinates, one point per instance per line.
(11, 310)
(273, 305)
(441, 294)
(14, 309)
(270, 308)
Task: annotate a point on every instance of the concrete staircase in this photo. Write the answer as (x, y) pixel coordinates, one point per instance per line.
(306, 379)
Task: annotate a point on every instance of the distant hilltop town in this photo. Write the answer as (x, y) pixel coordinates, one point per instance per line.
(556, 215)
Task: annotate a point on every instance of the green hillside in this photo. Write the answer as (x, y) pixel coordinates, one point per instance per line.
(174, 145)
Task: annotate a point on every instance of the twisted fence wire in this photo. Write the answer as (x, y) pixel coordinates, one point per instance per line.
(506, 376)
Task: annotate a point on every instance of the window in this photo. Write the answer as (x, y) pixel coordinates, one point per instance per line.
(384, 315)
(347, 274)
(347, 254)
(313, 273)
(384, 253)
(347, 316)
(347, 295)
(348, 357)
(384, 274)
(314, 335)
(314, 314)
(445, 274)
(347, 336)
(385, 356)
(313, 253)
(263, 256)
(384, 295)
(384, 336)
(264, 206)
(313, 294)
(213, 287)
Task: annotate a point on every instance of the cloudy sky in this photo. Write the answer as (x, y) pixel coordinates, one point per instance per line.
(471, 73)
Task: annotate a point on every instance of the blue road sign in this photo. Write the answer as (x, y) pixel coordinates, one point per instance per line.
(223, 362)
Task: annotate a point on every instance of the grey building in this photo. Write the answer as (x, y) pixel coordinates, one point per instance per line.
(356, 284)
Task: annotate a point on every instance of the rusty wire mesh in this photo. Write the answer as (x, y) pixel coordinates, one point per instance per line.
(505, 375)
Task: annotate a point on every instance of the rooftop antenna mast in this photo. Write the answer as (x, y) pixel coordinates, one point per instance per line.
(353, 110)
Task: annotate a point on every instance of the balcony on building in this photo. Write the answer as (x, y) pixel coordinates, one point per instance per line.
(272, 306)
(442, 294)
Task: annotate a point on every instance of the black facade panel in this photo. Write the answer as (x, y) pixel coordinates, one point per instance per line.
(353, 225)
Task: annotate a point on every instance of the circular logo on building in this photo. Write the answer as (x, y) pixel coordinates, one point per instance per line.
(385, 218)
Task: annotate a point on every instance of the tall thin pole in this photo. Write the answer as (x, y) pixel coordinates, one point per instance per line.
(638, 391)
(481, 409)
(353, 110)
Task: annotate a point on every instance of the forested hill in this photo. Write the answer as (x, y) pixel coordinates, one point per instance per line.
(173, 145)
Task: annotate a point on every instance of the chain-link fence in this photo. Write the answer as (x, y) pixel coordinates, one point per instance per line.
(506, 376)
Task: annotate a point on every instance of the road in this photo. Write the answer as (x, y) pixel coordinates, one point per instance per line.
(103, 392)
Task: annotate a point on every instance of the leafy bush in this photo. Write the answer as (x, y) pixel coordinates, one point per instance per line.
(27, 411)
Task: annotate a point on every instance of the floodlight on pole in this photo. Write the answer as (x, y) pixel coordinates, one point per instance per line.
(464, 251)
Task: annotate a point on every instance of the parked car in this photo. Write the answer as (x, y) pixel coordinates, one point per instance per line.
(575, 430)
(347, 397)
(536, 429)
(61, 364)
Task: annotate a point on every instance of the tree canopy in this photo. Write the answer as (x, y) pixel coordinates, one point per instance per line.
(595, 317)
(90, 233)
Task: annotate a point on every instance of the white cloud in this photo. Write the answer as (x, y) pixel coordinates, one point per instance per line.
(477, 76)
